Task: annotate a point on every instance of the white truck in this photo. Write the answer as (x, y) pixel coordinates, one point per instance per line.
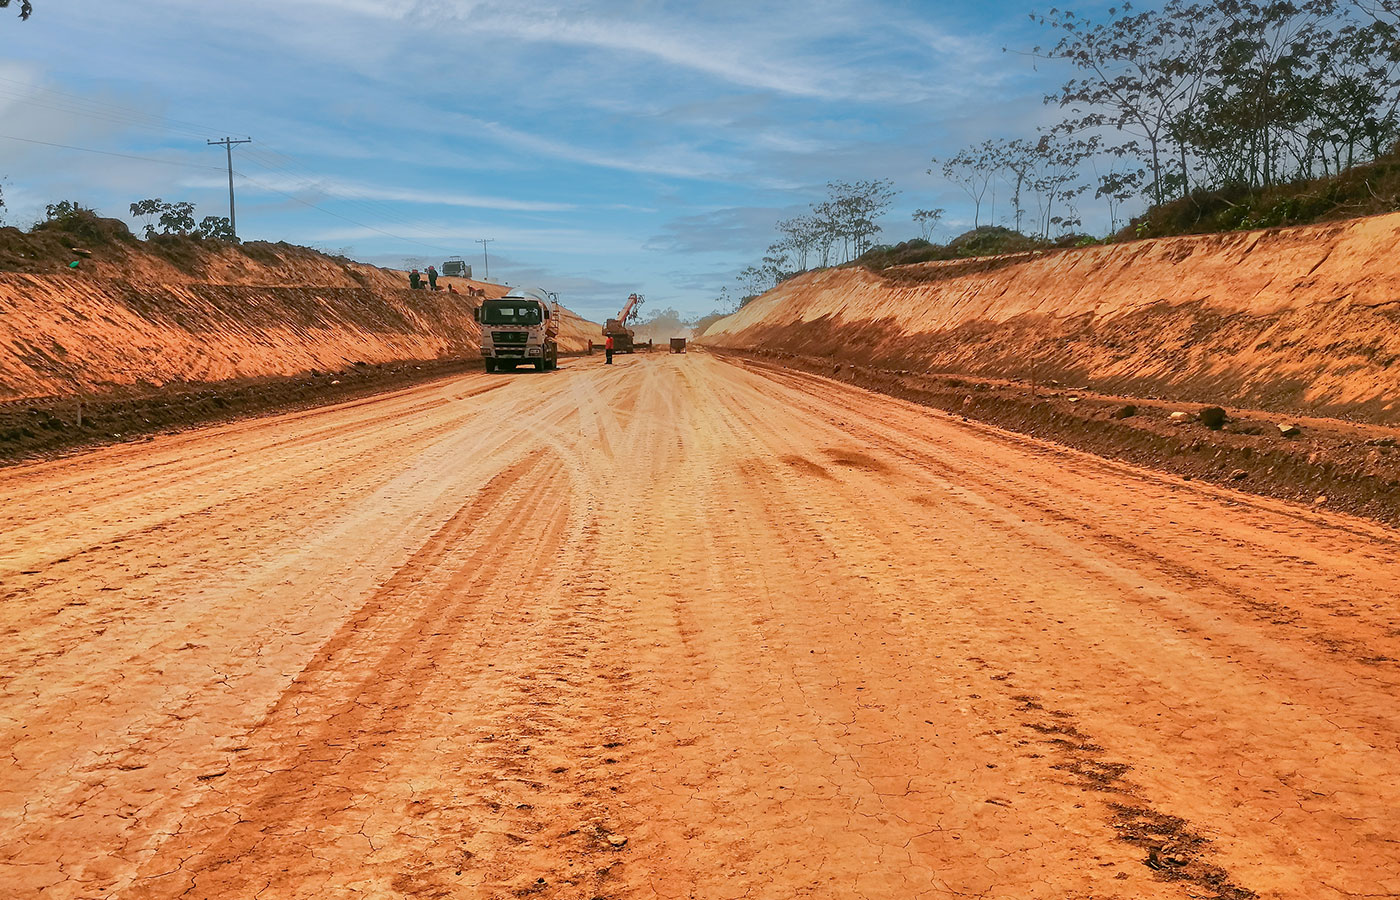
(521, 327)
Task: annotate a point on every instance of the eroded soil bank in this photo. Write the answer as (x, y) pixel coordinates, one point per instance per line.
(140, 315)
(1300, 321)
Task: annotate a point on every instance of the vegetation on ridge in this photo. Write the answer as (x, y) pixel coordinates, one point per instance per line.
(1215, 115)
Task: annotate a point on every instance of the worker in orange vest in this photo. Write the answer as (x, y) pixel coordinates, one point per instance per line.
(608, 349)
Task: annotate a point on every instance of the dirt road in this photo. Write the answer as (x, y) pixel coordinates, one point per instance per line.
(682, 628)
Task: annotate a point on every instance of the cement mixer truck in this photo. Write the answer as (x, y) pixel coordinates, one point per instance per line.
(521, 327)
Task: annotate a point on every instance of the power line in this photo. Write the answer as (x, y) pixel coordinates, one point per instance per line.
(328, 212)
(311, 181)
(61, 101)
(81, 105)
(167, 162)
(266, 187)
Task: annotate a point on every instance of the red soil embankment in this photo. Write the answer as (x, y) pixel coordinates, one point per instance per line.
(153, 315)
(1302, 320)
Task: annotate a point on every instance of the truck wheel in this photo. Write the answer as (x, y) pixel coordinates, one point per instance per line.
(490, 365)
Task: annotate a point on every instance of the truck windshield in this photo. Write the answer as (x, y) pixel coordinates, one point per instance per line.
(506, 312)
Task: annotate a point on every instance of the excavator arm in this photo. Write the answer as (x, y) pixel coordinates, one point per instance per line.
(632, 301)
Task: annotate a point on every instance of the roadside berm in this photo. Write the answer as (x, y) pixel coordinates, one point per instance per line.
(154, 334)
(1118, 349)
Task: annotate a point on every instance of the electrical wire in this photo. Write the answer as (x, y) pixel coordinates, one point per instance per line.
(152, 159)
(293, 197)
(260, 155)
(221, 169)
(67, 102)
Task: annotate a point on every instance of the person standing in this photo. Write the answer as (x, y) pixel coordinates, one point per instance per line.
(432, 278)
(608, 349)
(415, 281)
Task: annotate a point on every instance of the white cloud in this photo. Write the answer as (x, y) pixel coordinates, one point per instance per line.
(554, 241)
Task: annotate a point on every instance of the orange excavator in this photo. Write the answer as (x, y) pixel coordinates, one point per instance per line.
(623, 337)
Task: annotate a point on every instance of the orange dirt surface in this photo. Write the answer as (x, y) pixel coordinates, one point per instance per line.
(682, 628)
(137, 320)
(1301, 320)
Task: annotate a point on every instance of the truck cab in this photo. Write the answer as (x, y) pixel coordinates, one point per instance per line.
(520, 328)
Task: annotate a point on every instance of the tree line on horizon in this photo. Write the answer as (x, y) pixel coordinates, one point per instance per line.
(1162, 105)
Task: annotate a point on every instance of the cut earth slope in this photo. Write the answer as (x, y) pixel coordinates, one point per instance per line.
(139, 315)
(1299, 320)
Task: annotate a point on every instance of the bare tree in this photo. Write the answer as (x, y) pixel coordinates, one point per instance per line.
(1058, 182)
(753, 281)
(850, 217)
(927, 220)
(800, 237)
(1018, 158)
(973, 169)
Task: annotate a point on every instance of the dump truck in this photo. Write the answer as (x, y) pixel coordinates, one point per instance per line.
(520, 328)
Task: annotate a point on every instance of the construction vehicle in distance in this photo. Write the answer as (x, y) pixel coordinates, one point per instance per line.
(677, 345)
(624, 337)
(456, 267)
(520, 328)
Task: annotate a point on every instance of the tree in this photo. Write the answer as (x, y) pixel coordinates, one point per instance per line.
(800, 237)
(851, 212)
(1018, 158)
(2, 203)
(754, 281)
(972, 169)
(65, 211)
(1350, 99)
(927, 220)
(1058, 179)
(177, 218)
(1268, 60)
(826, 229)
(1143, 76)
(26, 9)
(1381, 10)
(173, 218)
(1117, 186)
(775, 262)
(217, 228)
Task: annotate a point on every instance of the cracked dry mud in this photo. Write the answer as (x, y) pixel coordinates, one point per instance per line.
(682, 628)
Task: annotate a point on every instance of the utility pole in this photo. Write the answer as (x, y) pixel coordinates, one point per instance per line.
(227, 144)
(485, 262)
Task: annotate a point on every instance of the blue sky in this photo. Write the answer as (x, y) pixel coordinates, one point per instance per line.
(606, 147)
